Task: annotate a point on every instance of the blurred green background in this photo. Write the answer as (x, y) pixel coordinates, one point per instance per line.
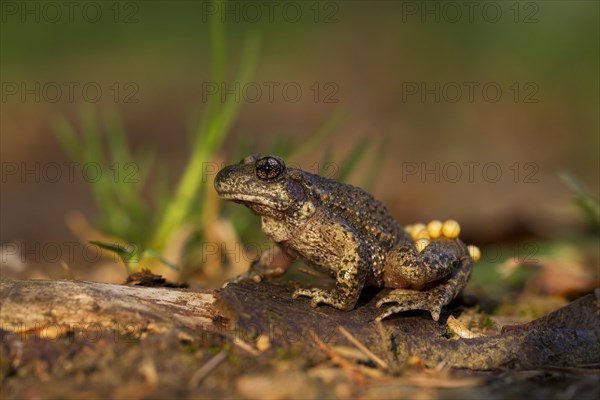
(477, 107)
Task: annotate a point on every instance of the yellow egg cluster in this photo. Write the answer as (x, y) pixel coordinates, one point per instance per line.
(474, 252)
(434, 230)
(422, 234)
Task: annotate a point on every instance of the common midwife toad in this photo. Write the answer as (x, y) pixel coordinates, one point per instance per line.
(342, 230)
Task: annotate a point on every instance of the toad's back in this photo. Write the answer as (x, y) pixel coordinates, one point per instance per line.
(358, 208)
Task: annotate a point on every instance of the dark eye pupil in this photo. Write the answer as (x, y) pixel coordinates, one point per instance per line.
(268, 168)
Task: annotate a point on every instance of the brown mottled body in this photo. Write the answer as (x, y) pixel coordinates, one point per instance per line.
(342, 230)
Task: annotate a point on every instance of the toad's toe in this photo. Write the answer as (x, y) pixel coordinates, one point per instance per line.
(409, 300)
(395, 296)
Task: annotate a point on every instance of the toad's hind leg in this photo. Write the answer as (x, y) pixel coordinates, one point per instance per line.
(350, 280)
(433, 299)
(444, 261)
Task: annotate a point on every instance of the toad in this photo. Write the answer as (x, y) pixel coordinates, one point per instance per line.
(345, 232)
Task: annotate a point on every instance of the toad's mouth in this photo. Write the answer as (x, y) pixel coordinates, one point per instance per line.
(250, 200)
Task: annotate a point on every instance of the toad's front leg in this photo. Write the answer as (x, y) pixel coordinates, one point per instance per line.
(349, 282)
(272, 263)
(444, 264)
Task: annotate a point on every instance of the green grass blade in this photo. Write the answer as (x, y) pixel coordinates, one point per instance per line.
(221, 123)
(145, 160)
(65, 133)
(190, 185)
(130, 255)
(92, 143)
(353, 159)
(584, 200)
(162, 190)
(154, 254)
(125, 180)
(117, 139)
(375, 167)
(218, 46)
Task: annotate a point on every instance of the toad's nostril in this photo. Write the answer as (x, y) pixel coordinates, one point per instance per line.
(222, 177)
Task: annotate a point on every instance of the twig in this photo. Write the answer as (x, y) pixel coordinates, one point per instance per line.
(427, 381)
(389, 348)
(207, 369)
(245, 346)
(354, 373)
(362, 348)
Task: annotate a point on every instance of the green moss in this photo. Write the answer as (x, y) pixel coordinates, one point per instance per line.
(214, 350)
(487, 322)
(448, 333)
(288, 353)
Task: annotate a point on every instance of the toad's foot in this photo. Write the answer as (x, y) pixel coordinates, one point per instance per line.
(408, 299)
(433, 299)
(272, 263)
(329, 297)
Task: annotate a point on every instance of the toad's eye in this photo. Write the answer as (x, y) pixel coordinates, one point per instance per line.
(268, 168)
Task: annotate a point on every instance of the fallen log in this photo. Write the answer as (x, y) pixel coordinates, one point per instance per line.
(248, 310)
(58, 305)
